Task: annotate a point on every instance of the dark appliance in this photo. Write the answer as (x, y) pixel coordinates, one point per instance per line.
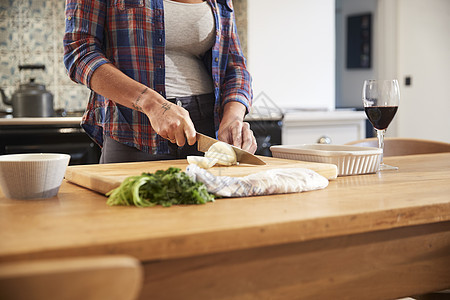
(266, 122)
(267, 133)
(55, 138)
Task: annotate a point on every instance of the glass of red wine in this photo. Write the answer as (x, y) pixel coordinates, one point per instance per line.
(381, 99)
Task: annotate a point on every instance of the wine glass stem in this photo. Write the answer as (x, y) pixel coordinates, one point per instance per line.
(380, 136)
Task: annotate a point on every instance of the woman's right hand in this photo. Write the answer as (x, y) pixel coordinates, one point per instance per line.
(169, 120)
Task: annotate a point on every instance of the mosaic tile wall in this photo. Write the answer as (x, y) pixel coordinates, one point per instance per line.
(240, 10)
(31, 32)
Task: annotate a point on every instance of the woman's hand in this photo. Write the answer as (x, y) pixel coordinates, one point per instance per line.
(233, 130)
(169, 120)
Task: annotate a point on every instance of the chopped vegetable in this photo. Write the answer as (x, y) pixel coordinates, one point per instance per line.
(166, 188)
(201, 161)
(223, 152)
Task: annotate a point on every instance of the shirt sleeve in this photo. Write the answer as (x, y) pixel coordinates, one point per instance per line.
(237, 85)
(83, 38)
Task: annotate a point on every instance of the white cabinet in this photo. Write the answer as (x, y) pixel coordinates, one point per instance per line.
(335, 127)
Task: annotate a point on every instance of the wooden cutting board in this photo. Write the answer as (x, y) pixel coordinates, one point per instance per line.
(105, 177)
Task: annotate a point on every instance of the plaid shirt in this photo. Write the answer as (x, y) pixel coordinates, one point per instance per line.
(130, 34)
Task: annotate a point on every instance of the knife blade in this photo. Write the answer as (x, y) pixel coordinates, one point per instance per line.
(245, 157)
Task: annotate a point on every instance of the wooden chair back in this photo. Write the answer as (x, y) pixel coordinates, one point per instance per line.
(89, 278)
(405, 146)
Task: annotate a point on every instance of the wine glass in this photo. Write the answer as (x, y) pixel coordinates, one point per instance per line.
(381, 99)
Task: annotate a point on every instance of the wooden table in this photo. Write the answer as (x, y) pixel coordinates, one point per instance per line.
(376, 236)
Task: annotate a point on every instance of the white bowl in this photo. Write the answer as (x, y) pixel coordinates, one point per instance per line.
(350, 160)
(32, 176)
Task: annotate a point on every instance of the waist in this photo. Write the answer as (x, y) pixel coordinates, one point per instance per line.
(203, 99)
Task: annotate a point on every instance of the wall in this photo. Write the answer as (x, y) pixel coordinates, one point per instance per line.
(240, 13)
(410, 39)
(424, 54)
(291, 51)
(415, 43)
(31, 32)
(349, 82)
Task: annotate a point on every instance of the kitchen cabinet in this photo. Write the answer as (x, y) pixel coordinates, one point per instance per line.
(328, 127)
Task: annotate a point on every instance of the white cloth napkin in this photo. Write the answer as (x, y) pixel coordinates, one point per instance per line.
(275, 181)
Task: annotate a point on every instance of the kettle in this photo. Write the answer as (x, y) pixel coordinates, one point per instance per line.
(32, 99)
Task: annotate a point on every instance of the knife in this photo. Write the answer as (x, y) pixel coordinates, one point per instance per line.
(245, 157)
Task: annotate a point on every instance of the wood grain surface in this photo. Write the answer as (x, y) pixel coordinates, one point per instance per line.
(381, 265)
(375, 236)
(79, 221)
(104, 178)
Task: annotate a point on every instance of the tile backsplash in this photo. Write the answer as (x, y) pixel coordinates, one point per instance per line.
(240, 12)
(31, 32)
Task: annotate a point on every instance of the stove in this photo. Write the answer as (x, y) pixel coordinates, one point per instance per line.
(266, 122)
(48, 135)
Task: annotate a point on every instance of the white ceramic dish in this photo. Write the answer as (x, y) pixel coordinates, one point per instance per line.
(32, 175)
(350, 160)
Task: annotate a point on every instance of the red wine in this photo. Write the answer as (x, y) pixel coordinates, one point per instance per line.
(380, 116)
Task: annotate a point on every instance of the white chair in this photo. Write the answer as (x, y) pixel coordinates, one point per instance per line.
(405, 146)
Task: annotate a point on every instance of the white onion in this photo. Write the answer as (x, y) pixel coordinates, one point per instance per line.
(202, 162)
(223, 152)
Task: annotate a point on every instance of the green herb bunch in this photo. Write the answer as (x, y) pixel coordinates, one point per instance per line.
(166, 188)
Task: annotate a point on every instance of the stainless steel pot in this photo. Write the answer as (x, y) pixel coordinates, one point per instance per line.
(31, 99)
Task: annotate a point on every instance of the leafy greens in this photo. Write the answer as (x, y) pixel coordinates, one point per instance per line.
(166, 188)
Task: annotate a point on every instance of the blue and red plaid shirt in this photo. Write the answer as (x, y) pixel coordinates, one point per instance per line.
(130, 34)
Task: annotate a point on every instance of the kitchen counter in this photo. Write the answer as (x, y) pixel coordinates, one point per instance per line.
(313, 117)
(40, 121)
(375, 236)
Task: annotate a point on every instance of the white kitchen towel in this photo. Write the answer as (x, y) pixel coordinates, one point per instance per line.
(275, 181)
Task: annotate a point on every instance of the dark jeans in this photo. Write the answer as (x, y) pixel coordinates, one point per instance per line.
(201, 111)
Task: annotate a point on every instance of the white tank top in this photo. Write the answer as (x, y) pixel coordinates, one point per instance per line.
(190, 32)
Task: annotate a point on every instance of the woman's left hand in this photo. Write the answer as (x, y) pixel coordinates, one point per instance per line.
(233, 130)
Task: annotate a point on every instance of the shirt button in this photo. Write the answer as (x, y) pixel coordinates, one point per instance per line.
(69, 18)
(216, 59)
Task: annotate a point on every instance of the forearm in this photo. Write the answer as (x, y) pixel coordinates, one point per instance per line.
(167, 119)
(113, 84)
(233, 110)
